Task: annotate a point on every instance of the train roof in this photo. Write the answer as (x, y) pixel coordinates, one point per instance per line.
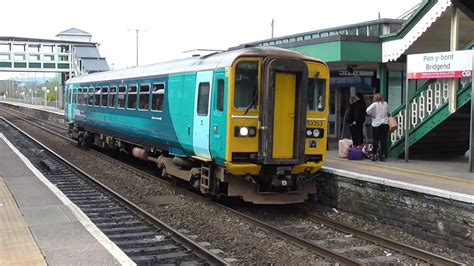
(192, 64)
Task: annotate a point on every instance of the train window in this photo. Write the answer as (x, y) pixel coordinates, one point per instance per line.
(132, 97)
(121, 97)
(105, 97)
(73, 96)
(97, 96)
(144, 99)
(203, 99)
(220, 95)
(84, 96)
(79, 96)
(90, 97)
(316, 94)
(112, 96)
(158, 97)
(246, 85)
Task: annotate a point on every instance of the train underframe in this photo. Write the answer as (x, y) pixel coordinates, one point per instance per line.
(274, 184)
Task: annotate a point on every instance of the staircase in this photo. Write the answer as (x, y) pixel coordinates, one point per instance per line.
(433, 131)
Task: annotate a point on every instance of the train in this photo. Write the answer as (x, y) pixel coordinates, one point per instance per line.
(248, 123)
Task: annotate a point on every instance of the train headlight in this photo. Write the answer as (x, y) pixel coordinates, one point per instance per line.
(316, 133)
(309, 133)
(244, 131)
(252, 131)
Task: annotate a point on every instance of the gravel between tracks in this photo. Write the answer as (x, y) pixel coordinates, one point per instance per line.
(221, 229)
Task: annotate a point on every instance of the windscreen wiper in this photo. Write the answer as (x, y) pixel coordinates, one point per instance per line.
(254, 99)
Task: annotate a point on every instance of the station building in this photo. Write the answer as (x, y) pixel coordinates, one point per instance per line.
(371, 57)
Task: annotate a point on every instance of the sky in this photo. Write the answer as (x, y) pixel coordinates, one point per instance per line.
(173, 27)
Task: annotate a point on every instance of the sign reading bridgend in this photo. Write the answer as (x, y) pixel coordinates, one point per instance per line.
(445, 65)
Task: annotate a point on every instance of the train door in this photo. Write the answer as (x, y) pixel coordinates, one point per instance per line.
(69, 102)
(201, 114)
(218, 116)
(284, 116)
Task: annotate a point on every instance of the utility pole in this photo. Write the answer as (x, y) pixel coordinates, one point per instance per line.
(273, 26)
(136, 31)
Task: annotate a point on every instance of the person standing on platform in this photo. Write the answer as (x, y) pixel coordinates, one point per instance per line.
(356, 119)
(379, 112)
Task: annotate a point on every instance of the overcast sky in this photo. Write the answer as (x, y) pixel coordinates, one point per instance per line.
(176, 26)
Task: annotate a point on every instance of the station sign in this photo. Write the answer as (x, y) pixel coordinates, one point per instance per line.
(445, 65)
(356, 73)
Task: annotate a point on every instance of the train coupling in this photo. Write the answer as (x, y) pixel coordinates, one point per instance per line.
(283, 177)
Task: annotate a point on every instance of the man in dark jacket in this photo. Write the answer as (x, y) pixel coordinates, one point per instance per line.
(356, 119)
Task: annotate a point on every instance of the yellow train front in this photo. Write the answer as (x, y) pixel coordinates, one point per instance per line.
(277, 127)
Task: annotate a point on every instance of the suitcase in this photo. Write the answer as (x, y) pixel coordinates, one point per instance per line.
(355, 154)
(344, 145)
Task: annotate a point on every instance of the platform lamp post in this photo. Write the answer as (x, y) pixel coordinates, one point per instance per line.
(136, 31)
(56, 95)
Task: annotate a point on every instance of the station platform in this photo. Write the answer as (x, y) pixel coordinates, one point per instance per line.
(443, 178)
(40, 226)
(35, 107)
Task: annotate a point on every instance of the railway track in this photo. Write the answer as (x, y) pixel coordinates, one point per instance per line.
(394, 252)
(144, 238)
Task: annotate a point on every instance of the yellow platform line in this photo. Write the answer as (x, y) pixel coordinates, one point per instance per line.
(17, 245)
(406, 170)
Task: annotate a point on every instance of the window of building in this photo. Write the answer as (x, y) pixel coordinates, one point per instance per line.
(105, 97)
(362, 31)
(203, 99)
(316, 94)
(220, 95)
(158, 97)
(112, 96)
(374, 30)
(315, 36)
(351, 31)
(144, 97)
(300, 38)
(121, 97)
(97, 96)
(246, 85)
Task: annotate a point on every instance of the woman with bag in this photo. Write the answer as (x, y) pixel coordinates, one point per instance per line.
(379, 112)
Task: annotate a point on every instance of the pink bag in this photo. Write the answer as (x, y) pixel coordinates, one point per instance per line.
(344, 145)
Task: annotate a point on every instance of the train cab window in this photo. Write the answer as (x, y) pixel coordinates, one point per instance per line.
(220, 95)
(246, 85)
(97, 96)
(144, 99)
(203, 99)
(112, 96)
(158, 97)
(121, 97)
(316, 94)
(90, 97)
(132, 97)
(104, 98)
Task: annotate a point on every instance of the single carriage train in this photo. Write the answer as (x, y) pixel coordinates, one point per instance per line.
(249, 123)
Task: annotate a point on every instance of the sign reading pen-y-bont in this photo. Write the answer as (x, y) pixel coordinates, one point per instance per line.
(445, 65)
